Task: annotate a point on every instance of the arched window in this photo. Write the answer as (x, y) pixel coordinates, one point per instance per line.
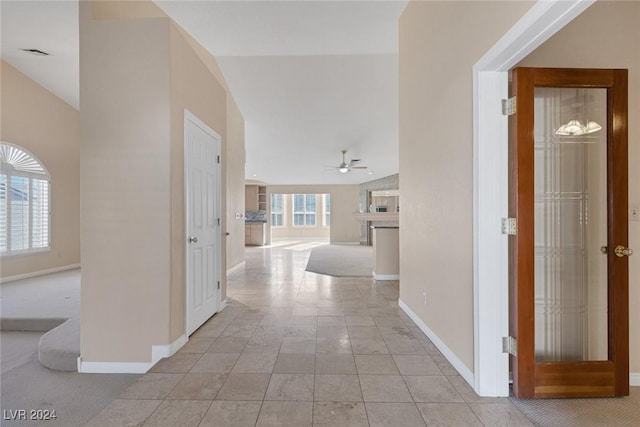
(24, 202)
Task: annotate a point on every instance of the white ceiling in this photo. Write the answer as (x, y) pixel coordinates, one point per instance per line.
(52, 27)
(310, 77)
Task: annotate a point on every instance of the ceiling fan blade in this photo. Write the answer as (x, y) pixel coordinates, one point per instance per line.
(345, 167)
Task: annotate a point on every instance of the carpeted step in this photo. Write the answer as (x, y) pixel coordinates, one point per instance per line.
(26, 324)
(59, 348)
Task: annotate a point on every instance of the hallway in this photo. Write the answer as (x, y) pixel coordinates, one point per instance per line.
(293, 348)
(298, 349)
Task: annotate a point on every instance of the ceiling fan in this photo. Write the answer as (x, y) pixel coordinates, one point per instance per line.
(345, 167)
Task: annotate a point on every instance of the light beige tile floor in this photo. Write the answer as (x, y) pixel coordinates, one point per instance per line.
(300, 349)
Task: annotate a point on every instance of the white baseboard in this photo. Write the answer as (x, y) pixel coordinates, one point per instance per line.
(440, 345)
(224, 304)
(112, 367)
(385, 276)
(160, 351)
(38, 273)
(634, 379)
(239, 266)
(157, 352)
(345, 243)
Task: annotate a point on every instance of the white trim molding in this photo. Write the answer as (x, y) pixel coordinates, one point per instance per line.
(157, 352)
(490, 177)
(385, 276)
(634, 379)
(38, 273)
(161, 351)
(112, 367)
(440, 345)
(239, 266)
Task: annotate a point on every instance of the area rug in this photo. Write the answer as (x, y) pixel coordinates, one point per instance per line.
(341, 260)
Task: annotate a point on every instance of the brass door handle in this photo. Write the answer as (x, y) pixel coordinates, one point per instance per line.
(621, 251)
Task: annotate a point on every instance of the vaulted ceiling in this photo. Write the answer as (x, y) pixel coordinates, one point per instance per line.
(310, 77)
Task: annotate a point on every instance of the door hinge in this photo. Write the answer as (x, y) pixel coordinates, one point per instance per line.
(218, 159)
(509, 226)
(218, 284)
(510, 346)
(509, 106)
(218, 221)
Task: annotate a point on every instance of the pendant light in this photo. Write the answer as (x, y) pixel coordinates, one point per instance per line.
(575, 127)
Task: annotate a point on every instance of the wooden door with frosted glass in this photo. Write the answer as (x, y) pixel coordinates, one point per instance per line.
(568, 261)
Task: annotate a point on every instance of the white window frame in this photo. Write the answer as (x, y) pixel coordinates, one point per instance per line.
(280, 213)
(19, 162)
(304, 212)
(326, 212)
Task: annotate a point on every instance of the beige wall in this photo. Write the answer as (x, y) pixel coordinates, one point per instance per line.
(137, 78)
(439, 43)
(233, 155)
(234, 164)
(607, 35)
(289, 230)
(125, 187)
(195, 89)
(46, 126)
(344, 201)
(122, 9)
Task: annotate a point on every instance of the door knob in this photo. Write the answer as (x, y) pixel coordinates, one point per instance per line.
(193, 239)
(622, 251)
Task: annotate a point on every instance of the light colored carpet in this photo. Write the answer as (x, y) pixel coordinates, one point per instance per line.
(26, 384)
(43, 304)
(52, 296)
(50, 304)
(341, 260)
(610, 412)
(59, 348)
(17, 348)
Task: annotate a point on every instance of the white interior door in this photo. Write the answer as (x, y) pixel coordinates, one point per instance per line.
(202, 181)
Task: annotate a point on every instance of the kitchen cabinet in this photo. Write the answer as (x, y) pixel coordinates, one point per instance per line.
(255, 234)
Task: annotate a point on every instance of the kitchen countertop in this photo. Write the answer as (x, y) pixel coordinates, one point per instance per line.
(377, 216)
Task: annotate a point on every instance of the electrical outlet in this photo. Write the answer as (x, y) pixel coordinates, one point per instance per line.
(634, 212)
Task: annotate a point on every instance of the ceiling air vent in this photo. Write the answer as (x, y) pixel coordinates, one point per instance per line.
(35, 52)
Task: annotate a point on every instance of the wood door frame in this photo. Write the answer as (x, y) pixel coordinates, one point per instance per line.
(533, 379)
(490, 177)
(190, 117)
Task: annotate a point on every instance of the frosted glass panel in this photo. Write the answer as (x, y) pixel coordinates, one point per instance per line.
(570, 225)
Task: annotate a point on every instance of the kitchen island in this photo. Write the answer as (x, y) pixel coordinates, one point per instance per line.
(386, 252)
